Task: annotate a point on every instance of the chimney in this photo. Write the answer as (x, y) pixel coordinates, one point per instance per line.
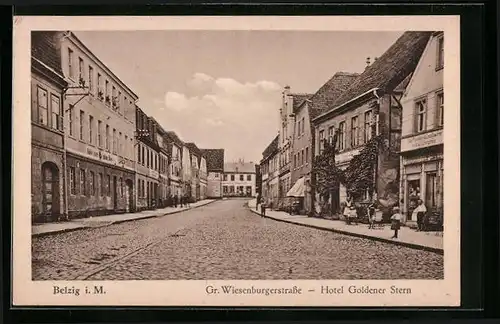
(375, 59)
(367, 62)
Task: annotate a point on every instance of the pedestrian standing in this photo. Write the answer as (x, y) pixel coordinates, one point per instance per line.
(263, 209)
(187, 201)
(419, 214)
(396, 221)
(347, 210)
(175, 201)
(371, 215)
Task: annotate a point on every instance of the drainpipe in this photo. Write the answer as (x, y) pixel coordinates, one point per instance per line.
(65, 171)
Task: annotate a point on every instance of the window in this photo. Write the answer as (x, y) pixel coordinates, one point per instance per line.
(92, 183)
(217, 175)
(440, 52)
(91, 79)
(127, 151)
(109, 184)
(299, 128)
(114, 140)
(143, 154)
(42, 102)
(99, 135)
(139, 154)
(440, 108)
(242, 177)
(120, 187)
(232, 177)
(72, 182)
(120, 144)
(331, 131)
(307, 154)
(55, 107)
(302, 157)
(91, 129)
(113, 97)
(354, 131)
(119, 101)
(107, 138)
(71, 117)
(249, 177)
(321, 139)
(99, 87)
(421, 108)
(82, 116)
(295, 161)
(367, 131)
(83, 190)
(80, 69)
(303, 127)
(341, 138)
(101, 183)
(147, 159)
(70, 63)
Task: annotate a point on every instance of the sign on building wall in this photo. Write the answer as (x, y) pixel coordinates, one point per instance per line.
(422, 140)
(100, 155)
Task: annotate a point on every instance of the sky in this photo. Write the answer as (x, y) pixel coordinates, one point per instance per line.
(222, 89)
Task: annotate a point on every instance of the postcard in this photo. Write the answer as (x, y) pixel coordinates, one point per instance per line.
(236, 161)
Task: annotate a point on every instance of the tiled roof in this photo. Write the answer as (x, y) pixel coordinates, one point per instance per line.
(193, 149)
(242, 167)
(271, 148)
(215, 159)
(298, 99)
(172, 136)
(390, 69)
(325, 97)
(45, 46)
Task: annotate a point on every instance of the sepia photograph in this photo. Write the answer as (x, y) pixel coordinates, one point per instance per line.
(223, 156)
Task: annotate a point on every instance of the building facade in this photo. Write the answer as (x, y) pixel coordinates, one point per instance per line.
(187, 173)
(100, 124)
(148, 151)
(203, 176)
(215, 169)
(163, 167)
(370, 107)
(174, 147)
(290, 102)
(269, 168)
(422, 167)
(239, 179)
(47, 129)
(195, 156)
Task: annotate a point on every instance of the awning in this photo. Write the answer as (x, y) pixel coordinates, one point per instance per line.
(298, 189)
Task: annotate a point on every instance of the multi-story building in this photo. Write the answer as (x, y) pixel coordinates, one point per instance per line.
(148, 152)
(422, 133)
(195, 156)
(203, 176)
(215, 168)
(269, 168)
(287, 122)
(258, 181)
(100, 126)
(239, 179)
(174, 147)
(370, 107)
(187, 173)
(47, 130)
(163, 166)
(303, 137)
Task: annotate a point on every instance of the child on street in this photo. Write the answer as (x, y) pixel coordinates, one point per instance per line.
(396, 221)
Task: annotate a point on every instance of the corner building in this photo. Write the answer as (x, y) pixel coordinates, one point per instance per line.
(100, 124)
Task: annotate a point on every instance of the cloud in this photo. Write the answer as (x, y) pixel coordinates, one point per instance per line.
(241, 117)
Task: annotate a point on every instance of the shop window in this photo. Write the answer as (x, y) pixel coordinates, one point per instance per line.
(83, 182)
(413, 194)
(431, 190)
(72, 180)
(92, 183)
(50, 189)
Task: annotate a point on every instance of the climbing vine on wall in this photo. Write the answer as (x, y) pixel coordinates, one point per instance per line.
(328, 175)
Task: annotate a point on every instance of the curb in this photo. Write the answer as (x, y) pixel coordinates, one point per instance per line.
(374, 238)
(115, 222)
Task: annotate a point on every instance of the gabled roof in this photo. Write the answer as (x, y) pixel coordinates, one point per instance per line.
(172, 137)
(325, 97)
(402, 86)
(271, 148)
(45, 48)
(298, 99)
(390, 69)
(214, 158)
(193, 149)
(239, 167)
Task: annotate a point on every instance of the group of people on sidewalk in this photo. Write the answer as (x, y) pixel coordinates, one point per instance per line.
(179, 201)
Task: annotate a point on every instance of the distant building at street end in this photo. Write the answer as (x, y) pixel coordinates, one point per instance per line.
(239, 179)
(422, 167)
(269, 168)
(370, 108)
(48, 179)
(195, 155)
(215, 168)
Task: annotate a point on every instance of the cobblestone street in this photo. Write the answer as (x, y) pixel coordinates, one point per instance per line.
(222, 240)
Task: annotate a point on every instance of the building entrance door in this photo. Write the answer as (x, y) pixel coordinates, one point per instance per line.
(50, 191)
(130, 196)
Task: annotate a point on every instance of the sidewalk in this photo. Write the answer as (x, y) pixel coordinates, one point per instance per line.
(430, 241)
(53, 228)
